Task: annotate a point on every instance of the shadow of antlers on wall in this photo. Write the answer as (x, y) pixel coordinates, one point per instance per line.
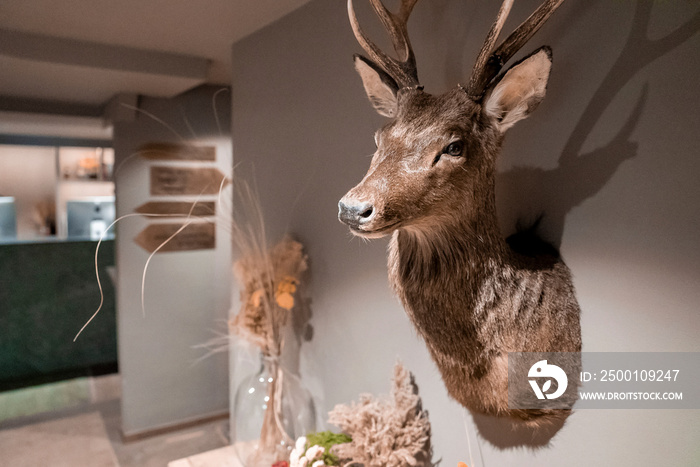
(553, 193)
(576, 178)
(579, 176)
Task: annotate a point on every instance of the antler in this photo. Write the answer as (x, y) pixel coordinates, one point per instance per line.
(403, 71)
(489, 61)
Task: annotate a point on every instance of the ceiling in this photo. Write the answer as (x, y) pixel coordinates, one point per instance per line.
(83, 52)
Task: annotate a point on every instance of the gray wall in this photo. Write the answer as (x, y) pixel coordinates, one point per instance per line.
(610, 158)
(187, 294)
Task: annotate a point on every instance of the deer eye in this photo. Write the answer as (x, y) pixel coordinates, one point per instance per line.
(454, 149)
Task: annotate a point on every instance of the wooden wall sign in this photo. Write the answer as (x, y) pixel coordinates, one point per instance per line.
(183, 208)
(186, 181)
(196, 236)
(177, 152)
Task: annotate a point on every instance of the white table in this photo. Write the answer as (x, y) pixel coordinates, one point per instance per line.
(222, 457)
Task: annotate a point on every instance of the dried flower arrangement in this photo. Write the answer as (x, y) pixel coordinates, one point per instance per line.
(377, 433)
(269, 280)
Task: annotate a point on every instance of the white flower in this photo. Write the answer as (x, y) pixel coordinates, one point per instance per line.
(314, 452)
(294, 458)
(298, 458)
(301, 444)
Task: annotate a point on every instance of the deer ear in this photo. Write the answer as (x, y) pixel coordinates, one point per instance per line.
(520, 90)
(379, 86)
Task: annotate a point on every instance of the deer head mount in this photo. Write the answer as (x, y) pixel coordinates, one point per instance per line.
(472, 295)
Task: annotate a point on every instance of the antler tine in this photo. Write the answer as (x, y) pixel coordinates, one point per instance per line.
(396, 25)
(404, 70)
(491, 63)
(406, 9)
(526, 30)
(479, 77)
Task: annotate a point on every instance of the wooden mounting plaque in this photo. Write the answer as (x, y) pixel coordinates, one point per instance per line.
(182, 208)
(196, 236)
(186, 181)
(177, 152)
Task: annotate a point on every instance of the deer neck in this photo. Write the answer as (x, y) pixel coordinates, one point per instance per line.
(443, 273)
(460, 244)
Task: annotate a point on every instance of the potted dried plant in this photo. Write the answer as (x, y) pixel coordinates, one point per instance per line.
(271, 407)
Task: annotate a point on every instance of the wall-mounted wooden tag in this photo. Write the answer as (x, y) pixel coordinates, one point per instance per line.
(196, 236)
(183, 208)
(186, 181)
(177, 152)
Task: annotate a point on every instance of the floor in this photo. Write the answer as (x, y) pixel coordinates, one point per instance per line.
(66, 424)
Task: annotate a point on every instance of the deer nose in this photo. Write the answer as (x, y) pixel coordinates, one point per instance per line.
(355, 214)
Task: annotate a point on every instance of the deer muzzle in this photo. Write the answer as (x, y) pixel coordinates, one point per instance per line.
(355, 213)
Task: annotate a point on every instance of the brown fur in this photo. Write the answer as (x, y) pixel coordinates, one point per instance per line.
(471, 297)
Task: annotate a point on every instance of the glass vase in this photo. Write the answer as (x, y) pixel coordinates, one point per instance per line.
(272, 408)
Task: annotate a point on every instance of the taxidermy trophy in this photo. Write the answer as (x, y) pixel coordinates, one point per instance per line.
(472, 295)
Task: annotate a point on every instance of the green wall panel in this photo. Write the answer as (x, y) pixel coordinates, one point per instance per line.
(47, 292)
